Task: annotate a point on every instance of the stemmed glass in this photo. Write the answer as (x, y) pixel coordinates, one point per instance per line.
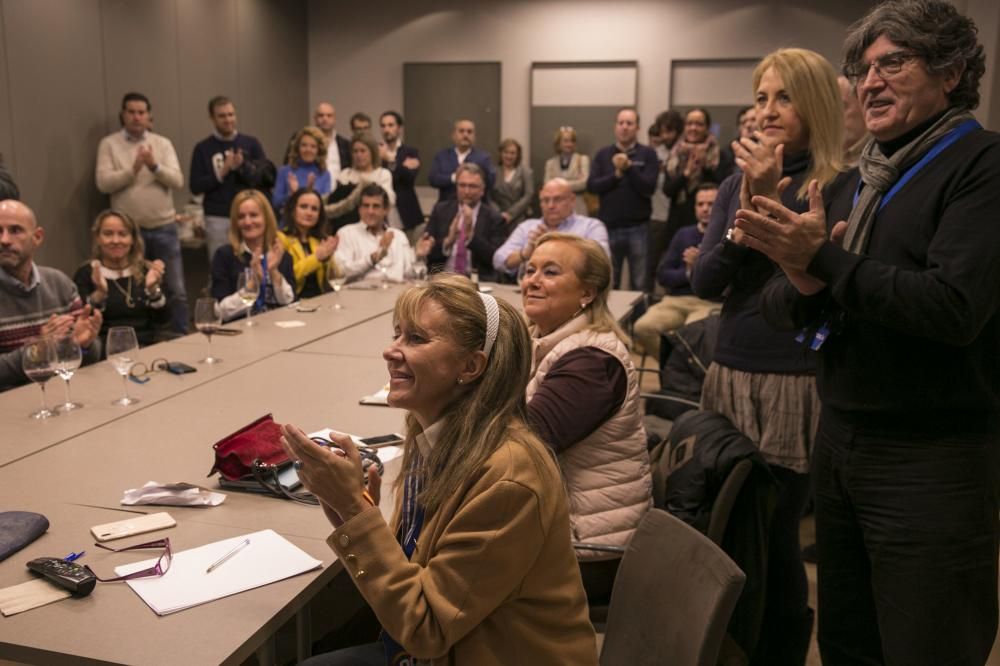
(420, 272)
(336, 283)
(248, 287)
(38, 358)
(207, 320)
(383, 267)
(122, 344)
(68, 359)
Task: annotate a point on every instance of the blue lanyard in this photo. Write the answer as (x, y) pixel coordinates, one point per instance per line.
(259, 304)
(939, 147)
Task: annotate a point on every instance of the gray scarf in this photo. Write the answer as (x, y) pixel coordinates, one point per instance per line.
(880, 173)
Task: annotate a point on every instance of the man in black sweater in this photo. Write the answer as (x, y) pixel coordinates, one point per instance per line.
(624, 176)
(221, 165)
(903, 307)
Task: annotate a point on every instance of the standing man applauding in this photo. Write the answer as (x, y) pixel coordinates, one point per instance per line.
(222, 165)
(624, 176)
(902, 304)
(139, 169)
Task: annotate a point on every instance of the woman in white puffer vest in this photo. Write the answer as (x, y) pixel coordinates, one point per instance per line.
(583, 399)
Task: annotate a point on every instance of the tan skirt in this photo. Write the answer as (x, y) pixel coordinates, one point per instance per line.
(779, 413)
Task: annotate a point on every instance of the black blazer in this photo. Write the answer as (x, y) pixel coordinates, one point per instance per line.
(402, 182)
(489, 234)
(344, 148)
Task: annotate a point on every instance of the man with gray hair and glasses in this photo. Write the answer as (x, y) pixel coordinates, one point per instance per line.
(901, 301)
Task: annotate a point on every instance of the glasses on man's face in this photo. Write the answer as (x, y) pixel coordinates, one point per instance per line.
(885, 66)
(161, 567)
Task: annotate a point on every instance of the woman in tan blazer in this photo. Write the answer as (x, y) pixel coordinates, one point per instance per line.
(476, 566)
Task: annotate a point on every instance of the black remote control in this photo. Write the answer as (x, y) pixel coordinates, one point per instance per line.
(74, 577)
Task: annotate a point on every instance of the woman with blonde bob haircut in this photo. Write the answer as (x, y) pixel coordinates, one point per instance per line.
(763, 380)
(583, 399)
(254, 248)
(476, 566)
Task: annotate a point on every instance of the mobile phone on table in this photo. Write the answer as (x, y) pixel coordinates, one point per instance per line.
(382, 440)
(227, 331)
(178, 368)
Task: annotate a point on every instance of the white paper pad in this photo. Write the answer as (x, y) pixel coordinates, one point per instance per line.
(380, 397)
(267, 559)
(290, 323)
(34, 593)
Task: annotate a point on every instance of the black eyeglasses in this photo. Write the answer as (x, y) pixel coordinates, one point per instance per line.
(885, 66)
(161, 567)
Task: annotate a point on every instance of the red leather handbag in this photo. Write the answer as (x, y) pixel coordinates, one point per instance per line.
(255, 444)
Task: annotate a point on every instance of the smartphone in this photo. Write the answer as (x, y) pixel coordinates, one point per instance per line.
(132, 526)
(179, 368)
(227, 331)
(382, 440)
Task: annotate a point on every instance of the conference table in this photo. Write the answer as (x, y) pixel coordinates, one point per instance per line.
(309, 368)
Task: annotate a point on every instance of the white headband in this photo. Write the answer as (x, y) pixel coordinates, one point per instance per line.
(492, 321)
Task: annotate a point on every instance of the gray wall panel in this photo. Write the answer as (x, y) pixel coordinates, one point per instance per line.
(273, 77)
(58, 116)
(6, 130)
(140, 39)
(64, 67)
(206, 62)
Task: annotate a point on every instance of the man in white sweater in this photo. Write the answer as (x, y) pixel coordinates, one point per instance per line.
(139, 169)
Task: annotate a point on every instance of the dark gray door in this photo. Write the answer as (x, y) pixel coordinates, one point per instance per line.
(435, 95)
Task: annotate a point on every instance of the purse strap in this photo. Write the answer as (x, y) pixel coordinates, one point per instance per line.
(267, 476)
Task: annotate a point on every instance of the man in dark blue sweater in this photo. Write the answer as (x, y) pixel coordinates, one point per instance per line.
(624, 176)
(680, 306)
(222, 165)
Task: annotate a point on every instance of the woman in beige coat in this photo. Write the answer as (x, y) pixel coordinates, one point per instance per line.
(477, 567)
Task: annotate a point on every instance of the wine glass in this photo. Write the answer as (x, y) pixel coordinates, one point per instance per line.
(68, 359)
(122, 345)
(248, 288)
(207, 320)
(336, 283)
(420, 272)
(38, 358)
(383, 267)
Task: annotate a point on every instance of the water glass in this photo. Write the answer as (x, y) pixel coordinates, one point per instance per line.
(121, 347)
(248, 287)
(69, 356)
(336, 283)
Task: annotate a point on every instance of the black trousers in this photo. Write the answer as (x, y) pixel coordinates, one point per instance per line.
(907, 534)
(788, 620)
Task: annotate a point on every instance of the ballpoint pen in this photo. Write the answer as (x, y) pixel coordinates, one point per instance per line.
(240, 546)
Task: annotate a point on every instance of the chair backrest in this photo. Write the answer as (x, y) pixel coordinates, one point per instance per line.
(672, 599)
(724, 501)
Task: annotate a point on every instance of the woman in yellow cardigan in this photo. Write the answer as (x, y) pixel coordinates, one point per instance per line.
(305, 239)
(476, 566)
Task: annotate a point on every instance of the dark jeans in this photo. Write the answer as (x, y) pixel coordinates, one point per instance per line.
(788, 620)
(906, 531)
(632, 243)
(162, 243)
